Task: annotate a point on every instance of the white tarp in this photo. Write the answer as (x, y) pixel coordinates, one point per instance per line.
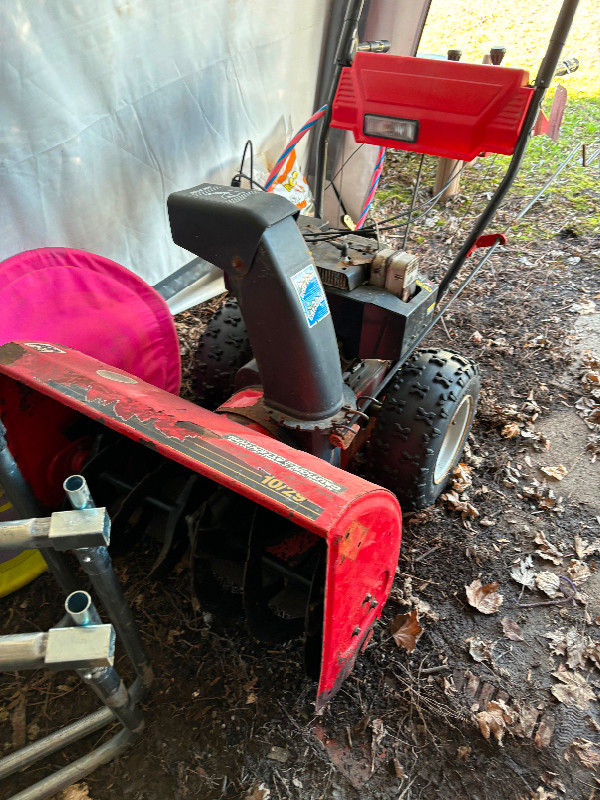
(107, 106)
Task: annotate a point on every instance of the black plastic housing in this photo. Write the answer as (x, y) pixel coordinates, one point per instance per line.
(253, 237)
(222, 224)
(373, 323)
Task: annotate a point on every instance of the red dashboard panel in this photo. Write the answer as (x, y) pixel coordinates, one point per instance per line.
(461, 109)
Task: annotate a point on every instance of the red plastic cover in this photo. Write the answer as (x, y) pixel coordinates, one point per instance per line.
(360, 522)
(462, 109)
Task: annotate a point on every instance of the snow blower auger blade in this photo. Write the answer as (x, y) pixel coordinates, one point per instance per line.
(359, 522)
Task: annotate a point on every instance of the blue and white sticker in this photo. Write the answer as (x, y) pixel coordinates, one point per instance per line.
(311, 294)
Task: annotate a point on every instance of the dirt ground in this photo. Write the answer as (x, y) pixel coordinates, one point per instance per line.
(487, 706)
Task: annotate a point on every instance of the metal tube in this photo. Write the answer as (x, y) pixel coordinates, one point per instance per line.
(20, 534)
(22, 651)
(14, 484)
(544, 77)
(106, 683)
(55, 741)
(81, 610)
(342, 59)
(78, 492)
(64, 530)
(593, 157)
(97, 564)
(25, 504)
(44, 789)
(553, 177)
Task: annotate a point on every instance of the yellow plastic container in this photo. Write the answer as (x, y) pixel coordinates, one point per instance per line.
(22, 568)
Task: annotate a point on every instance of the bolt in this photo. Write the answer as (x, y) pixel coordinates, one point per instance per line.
(356, 631)
(237, 263)
(374, 603)
(367, 598)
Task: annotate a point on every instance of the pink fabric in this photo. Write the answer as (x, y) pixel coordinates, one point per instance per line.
(94, 305)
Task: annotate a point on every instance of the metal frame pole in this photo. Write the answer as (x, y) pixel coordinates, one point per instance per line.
(343, 56)
(25, 504)
(97, 564)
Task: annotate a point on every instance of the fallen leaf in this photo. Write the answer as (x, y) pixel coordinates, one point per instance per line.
(461, 477)
(592, 723)
(477, 337)
(279, 754)
(484, 598)
(558, 642)
(584, 307)
(494, 719)
(510, 430)
(249, 687)
(576, 648)
(398, 769)
(524, 573)
(463, 752)
(593, 653)
(551, 778)
(480, 650)
(584, 548)
(578, 571)
(546, 549)
(455, 503)
(544, 732)
(526, 720)
(425, 610)
(541, 794)
(590, 360)
(260, 792)
(511, 630)
(406, 630)
(588, 752)
(549, 583)
(572, 689)
(77, 791)
(572, 644)
(558, 472)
